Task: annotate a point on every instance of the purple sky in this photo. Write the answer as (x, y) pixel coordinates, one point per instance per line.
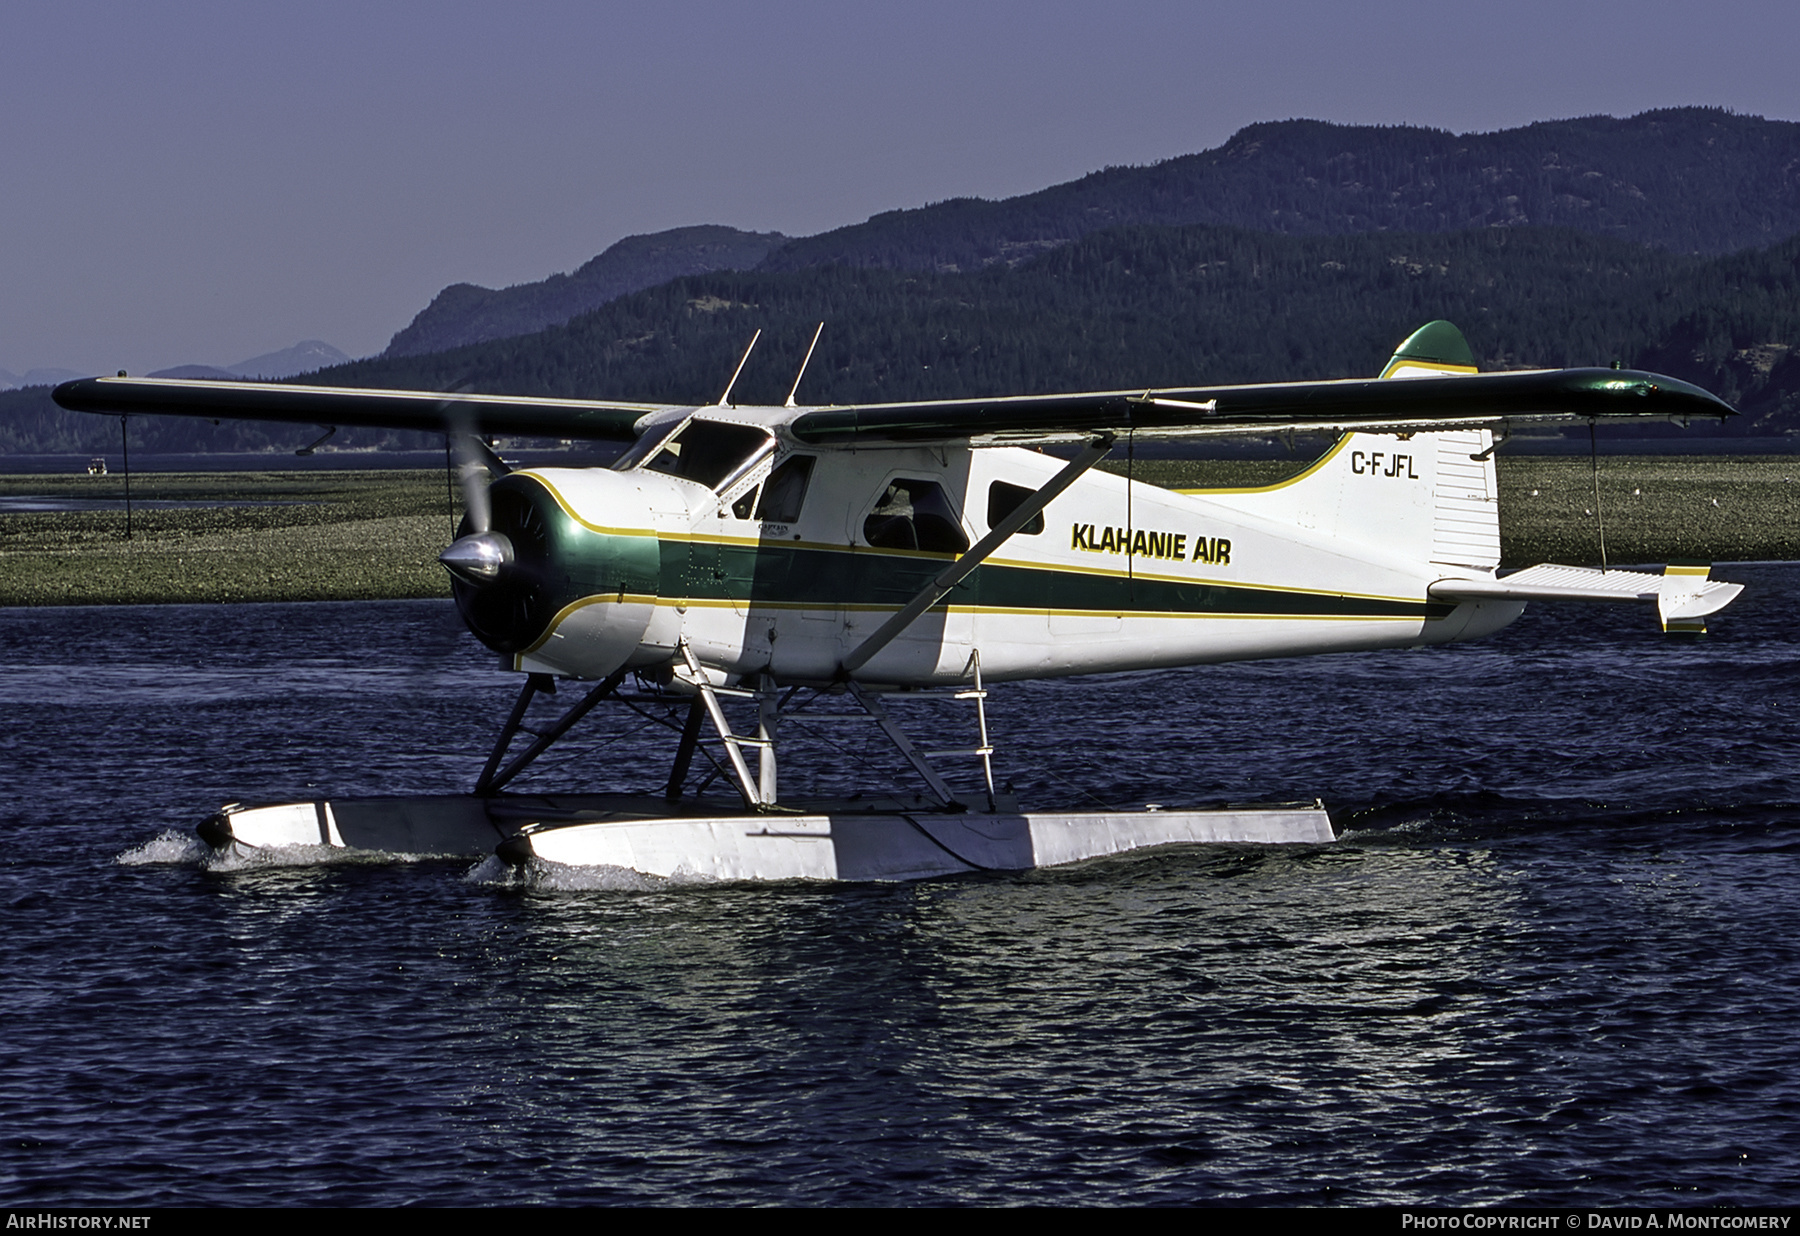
(195, 182)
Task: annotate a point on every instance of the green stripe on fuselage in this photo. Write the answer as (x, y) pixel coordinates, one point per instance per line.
(586, 562)
(812, 577)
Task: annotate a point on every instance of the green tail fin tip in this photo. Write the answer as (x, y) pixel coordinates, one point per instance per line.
(1437, 345)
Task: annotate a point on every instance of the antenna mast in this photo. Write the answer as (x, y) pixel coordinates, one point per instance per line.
(726, 397)
(803, 365)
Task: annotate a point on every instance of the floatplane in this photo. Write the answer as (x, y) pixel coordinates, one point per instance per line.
(769, 568)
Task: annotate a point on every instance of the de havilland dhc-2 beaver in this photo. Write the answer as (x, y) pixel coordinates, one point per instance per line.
(764, 568)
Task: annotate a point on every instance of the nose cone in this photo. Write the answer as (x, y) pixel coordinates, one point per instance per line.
(478, 559)
(562, 543)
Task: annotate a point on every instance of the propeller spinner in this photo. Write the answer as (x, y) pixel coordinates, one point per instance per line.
(480, 555)
(533, 545)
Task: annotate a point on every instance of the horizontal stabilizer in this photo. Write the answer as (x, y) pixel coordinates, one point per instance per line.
(1684, 595)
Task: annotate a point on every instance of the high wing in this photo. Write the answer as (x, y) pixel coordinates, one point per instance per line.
(1462, 400)
(376, 409)
(1441, 390)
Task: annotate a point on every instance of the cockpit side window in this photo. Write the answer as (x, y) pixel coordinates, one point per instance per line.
(786, 490)
(1004, 499)
(707, 452)
(776, 498)
(915, 514)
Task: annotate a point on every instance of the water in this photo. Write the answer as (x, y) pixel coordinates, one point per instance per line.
(1553, 959)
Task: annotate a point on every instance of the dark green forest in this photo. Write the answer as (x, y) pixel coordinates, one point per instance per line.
(1165, 306)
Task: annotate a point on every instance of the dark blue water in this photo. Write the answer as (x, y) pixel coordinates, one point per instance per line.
(1555, 958)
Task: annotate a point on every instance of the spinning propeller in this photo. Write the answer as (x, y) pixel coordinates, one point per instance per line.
(499, 560)
(479, 555)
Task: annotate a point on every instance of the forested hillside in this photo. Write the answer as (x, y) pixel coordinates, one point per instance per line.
(1692, 180)
(1160, 306)
(1296, 250)
(1689, 180)
(1134, 307)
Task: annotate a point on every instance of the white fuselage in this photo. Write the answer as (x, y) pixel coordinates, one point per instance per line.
(1120, 576)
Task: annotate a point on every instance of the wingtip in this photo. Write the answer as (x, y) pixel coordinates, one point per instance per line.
(1692, 392)
(70, 394)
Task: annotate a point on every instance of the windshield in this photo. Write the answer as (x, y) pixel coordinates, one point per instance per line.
(706, 452)
(653, 437)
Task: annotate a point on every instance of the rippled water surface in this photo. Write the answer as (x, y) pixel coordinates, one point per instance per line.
(1553, 958)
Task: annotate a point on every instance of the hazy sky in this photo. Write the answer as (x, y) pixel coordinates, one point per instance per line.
(197, 182)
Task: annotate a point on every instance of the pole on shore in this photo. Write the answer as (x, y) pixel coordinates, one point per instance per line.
(125, 450)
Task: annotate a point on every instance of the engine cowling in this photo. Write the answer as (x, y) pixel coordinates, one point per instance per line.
(567, 572)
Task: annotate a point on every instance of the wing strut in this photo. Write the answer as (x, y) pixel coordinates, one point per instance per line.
(952, 575)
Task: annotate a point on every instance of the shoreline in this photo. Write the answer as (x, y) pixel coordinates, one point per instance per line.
(374, 534)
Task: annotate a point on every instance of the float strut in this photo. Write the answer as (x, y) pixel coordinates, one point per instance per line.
(939, 788)
(533, 684)
(490, 781)
(734, 746)
(684, 754)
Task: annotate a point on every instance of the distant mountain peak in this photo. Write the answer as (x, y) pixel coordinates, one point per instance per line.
(211, 373)
(464, 313)
(1695, 180)
(36, 377)
(306, 356)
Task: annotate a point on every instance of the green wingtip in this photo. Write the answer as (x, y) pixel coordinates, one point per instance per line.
(1436, 343)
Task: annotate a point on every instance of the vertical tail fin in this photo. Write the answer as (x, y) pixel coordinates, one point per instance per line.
(1432, 497)
(1435, 349)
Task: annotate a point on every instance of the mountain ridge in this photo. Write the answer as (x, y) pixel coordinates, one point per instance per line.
(1693, 179)
(1152, 303)
(464, 313)
(1699, 180)
(1131, 307)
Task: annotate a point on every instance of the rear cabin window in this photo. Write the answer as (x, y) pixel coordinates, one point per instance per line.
(915, 514)
(709, 452)
(1004, 499)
